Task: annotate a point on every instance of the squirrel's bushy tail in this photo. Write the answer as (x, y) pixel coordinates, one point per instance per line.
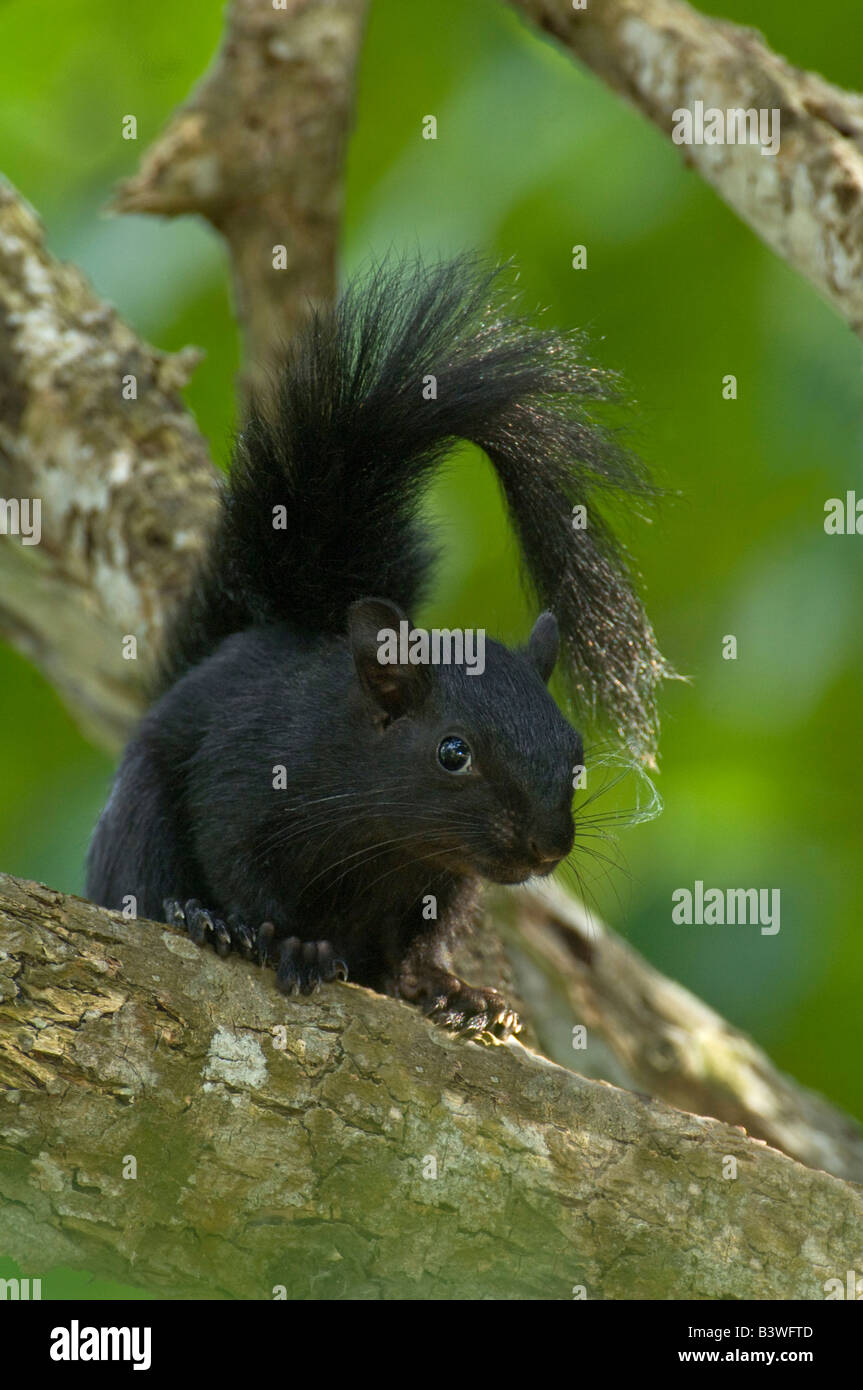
(325, 490)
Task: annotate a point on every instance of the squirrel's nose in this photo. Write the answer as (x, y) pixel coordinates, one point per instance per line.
(551, 841)
(543, 853)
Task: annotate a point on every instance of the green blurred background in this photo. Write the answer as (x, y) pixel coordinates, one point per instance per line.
(762, 757)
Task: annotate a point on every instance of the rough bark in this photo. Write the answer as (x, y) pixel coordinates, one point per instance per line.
(258, 150)
(126, 490)
(806, 202)
(307, 1166)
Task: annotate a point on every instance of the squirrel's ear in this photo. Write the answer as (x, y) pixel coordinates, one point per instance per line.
(544, 644)
(377, 640)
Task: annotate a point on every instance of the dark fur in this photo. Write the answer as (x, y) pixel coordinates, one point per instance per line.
(271, 662)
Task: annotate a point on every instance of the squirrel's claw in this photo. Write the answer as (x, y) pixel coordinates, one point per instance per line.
(305, 965)
(204, 926)
(474, 1011)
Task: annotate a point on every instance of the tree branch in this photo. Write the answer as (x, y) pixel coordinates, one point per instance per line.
(258, 150)
(308, 1166)
(126, 492)
(806, 202)
(665, 1041)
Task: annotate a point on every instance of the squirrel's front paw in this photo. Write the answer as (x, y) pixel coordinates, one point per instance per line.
(468, 1010)
(306, 965)
(231, 935)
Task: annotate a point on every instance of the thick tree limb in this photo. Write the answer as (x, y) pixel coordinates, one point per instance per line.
(126, 491)
(307, 1167)
(258, 150)
(667, 1042)
(806, 202)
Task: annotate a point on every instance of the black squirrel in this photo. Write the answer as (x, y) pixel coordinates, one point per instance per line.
(289, 795)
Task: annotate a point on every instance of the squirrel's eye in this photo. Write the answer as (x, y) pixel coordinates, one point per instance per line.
(454, 755)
